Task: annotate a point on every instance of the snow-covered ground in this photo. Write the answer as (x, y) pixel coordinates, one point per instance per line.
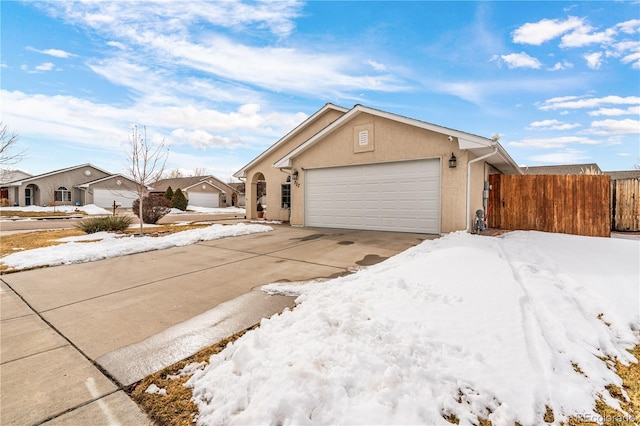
(90, 209)
(215, 210)
(76, 251)
(470, 326)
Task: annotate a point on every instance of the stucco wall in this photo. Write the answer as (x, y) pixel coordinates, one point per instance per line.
(47, 185)
(392, 141)
(274, 177)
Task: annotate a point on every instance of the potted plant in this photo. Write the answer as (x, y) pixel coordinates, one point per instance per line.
(260, 210)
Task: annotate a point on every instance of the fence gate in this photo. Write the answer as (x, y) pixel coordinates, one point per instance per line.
(625, 205)
(569, 204)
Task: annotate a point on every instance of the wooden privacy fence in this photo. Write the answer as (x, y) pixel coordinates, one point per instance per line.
(569, 204)
(625, 205)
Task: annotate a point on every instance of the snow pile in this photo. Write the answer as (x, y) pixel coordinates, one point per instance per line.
(154, 389)
(74, 252)
(90, 209)
(96, 236)
(469, 326)
(216, 210)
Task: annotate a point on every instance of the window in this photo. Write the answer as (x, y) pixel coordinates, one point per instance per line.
(224, 198)
(62, 194)
(285, 196)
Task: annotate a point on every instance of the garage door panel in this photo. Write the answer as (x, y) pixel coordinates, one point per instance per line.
(401, 196)
(105, 197)
(203, 199)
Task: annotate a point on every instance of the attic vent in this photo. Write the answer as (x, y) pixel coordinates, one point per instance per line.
(363, 137)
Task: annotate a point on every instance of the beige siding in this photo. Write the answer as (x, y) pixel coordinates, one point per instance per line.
(274, 177)
(47, 185)
(393, 141)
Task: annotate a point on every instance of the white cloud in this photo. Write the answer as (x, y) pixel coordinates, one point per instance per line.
(594, 60)
(551, 125)
(615, 111)
(52, 52)
(201, 139)
(615, 127)
(117, 44)
(584, 37)
(108, 126)
(521, 60)
(561, 66)
(46, 66)
(575, 102)
(557, 142)
(376, 65)
(547, 29)
(630, 27)
(568, 156)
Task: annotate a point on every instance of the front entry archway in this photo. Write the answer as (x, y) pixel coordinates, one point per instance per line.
(258, 196)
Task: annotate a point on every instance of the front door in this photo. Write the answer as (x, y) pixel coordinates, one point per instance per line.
(27, 196)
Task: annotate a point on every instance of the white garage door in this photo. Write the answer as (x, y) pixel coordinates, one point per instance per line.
(203, 199)
(105, 197)
(400, 196)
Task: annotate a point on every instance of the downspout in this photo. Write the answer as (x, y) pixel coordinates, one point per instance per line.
(495, 150)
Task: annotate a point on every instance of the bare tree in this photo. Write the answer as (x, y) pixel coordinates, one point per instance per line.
(7, 145)
(200, 171)
(146, 164)
(175, 173)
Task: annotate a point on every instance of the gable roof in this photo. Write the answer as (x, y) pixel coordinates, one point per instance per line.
(93, 182)
(55, 172)
(328, 106)
(624, 174)
(477, 144)
(185, 183)
(563, 169)
(10, 175)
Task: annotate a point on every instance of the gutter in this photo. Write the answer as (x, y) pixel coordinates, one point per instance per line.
(495, 150)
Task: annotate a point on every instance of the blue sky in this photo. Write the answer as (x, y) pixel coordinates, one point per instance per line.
(222, 81)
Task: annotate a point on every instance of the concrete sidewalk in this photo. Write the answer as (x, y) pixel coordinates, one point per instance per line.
(74, 336)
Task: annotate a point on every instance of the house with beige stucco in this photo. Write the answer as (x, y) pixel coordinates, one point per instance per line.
(363, 168)
(77, 185)
(201, 191)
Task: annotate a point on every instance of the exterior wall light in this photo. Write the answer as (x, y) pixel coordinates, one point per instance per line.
(453, 161)
(295, 175)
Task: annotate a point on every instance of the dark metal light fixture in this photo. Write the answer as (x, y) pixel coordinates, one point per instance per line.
(288, 179)
(295, 175)
(453, 161)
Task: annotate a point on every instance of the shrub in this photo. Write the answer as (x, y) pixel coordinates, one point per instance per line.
(179, 201)
(168, 194)
(105, 223)
(154, 208)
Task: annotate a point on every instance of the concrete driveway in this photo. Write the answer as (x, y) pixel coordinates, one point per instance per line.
(74, 336)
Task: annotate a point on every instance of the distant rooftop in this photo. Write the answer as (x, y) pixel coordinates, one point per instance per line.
(567, 169)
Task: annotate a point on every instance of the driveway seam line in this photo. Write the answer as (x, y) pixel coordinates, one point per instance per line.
(76, 407)
(34, 354)
(73, 345)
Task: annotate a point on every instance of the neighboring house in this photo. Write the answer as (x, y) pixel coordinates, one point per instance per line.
(239, 187)
(565, 169)
(362, 168)
(6, 176)
(78, 185)
(624, 174)
(201, 191)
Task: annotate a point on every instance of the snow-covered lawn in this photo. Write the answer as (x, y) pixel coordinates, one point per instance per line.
(464, 326)
(76, 251)
(90, 209)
